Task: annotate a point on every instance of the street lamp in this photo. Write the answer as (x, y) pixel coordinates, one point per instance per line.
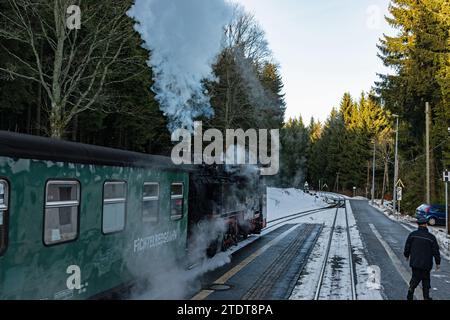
(354, 192)
(396, 165)
(373, 171)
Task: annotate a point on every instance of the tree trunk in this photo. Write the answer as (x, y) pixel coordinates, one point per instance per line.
(227, 102)
(39, 100)
(29, 129)
(38, 110)
(75, 129)
(56, 123)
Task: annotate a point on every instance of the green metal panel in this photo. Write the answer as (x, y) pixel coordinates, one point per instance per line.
(31, 270)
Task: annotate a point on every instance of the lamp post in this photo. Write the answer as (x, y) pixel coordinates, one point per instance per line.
(394, 193)
(354, 192)
(446, 181)
(373, 171)
(427, 151)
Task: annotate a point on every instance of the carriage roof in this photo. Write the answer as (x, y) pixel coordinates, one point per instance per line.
(22, 146)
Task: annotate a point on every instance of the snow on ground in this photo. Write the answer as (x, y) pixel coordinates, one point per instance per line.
(284, 202)
(337, 282)
(307, 284)
(410, 224)
(367, 283)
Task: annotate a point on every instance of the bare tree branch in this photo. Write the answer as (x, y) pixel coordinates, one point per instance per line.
(81, 64)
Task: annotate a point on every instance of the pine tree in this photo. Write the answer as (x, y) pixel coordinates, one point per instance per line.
(348, 110)
(294, 153)
(420, 56)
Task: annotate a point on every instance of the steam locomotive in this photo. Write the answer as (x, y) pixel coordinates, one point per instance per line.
(83, 222)
(235, 195)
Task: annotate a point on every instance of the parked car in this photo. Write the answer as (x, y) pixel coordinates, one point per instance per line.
(435, 214)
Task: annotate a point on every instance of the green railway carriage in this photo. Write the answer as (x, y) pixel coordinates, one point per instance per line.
(79, 221)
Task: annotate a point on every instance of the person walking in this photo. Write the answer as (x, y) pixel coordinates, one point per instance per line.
(420, 249)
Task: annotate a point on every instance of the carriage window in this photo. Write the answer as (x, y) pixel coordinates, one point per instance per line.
(176, 202)
(150, 202)
(3, 215)
(62, 201)
(114, 207)
(3, 196)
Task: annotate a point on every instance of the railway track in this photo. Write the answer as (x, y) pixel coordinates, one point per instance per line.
(278, 280)
(329, 262)
(276, 222)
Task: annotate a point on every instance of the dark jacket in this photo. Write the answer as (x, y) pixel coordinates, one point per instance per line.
(421, 247)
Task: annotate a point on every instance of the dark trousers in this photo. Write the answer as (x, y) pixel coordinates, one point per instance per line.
(418, 276)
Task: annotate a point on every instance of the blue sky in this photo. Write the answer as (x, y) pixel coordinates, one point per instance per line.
(325, 48)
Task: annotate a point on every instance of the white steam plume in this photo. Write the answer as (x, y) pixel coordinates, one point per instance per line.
(184, 38)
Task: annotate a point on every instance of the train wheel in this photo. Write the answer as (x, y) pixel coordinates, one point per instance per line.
(243, 231)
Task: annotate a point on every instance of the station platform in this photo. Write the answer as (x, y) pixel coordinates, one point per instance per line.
(267, 269)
